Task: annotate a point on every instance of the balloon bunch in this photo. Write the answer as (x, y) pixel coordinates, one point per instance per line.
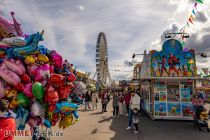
(35, 80)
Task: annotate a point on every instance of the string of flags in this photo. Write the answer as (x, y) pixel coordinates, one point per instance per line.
(191, 19)
(93, 66)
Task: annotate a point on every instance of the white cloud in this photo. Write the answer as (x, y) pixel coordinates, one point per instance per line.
(81, 7)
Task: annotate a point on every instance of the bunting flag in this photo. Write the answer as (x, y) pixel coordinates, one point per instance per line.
(188, 24)
(190, 20)
(195, 5)
(192, 17)
(193, 11)
(201, 1)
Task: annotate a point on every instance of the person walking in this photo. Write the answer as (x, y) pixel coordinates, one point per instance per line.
(121, 101)
(87, 100)
(134, 104)
(198, 104)
(115, 104)
(94, 100)
(127, 101)
(104, 100)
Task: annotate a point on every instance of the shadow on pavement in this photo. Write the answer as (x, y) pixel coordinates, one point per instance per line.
(106, 119)
(157, 130)
(97, 113)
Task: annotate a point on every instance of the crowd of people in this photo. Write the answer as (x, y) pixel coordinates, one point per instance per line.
(123, 102)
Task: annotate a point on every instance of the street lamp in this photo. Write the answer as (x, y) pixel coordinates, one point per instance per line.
(134, 55)
(204, 55)
(172, 35)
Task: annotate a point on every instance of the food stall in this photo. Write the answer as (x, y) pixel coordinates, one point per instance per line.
(168, 80)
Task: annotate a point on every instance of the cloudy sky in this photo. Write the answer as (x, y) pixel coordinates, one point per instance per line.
(71, 27)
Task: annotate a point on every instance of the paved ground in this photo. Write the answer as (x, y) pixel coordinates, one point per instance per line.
(94, 125)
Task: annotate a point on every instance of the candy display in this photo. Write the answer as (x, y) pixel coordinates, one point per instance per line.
(35, 81)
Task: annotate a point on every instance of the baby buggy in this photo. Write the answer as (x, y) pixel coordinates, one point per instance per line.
(202, 118)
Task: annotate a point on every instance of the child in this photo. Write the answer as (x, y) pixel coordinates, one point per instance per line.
(204, 115)
(135, 120)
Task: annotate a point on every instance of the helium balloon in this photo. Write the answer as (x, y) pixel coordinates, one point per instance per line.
(71, 77)
(22, 117)
(19, 87)
(64, 91)
(38, 90)
(42, 73)
(32, 70)
(15, 41)
(56, 59)
(22, 100)
(56, 80)
(65, 107)
(51, 97)
(2, 89)
(15, 66)
(29, 60)
(28, 90)
(75, 114)
(47, 123)
(10, 77)
(25, 78)
(37, 109)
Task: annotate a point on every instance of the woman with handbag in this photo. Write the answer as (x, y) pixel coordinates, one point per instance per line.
(94, 100)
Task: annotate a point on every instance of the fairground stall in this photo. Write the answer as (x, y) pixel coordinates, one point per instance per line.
(168, 80)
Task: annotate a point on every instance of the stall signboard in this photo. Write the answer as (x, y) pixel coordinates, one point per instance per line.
(173, 61)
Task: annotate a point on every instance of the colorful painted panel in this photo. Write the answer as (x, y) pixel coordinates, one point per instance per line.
(173, 93)
(187, 109)
(185, 94)
(160, 108)
(173, 61)
(174, 109)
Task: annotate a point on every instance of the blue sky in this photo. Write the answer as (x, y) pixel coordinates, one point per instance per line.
(71, 27)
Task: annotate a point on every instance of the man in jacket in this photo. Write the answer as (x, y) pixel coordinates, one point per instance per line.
(134, 103)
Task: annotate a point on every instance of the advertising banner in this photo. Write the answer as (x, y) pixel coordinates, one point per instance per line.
(173, 61)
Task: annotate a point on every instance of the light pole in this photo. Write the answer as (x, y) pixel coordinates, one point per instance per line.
(134, 55)
(204, 55)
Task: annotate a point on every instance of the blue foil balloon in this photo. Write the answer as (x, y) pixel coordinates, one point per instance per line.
(65, 107)
(47, 123)
(76, 115)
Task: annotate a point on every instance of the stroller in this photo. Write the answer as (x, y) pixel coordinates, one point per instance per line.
(201, 118)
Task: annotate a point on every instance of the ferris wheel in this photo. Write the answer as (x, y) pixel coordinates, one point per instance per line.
(102, 71)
